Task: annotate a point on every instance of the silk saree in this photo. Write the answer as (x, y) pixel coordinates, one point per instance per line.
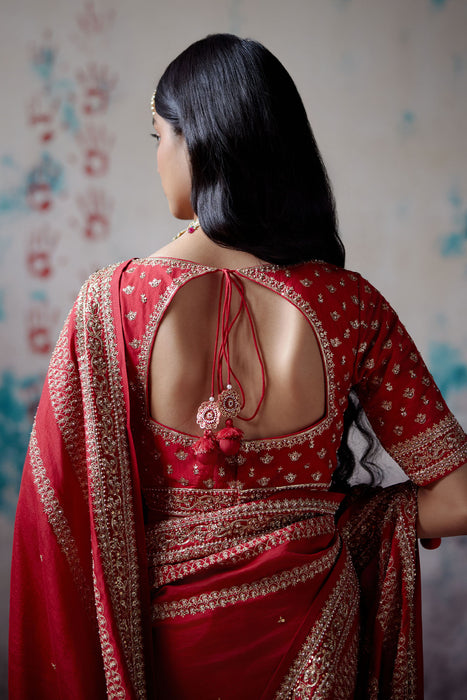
(139, 573)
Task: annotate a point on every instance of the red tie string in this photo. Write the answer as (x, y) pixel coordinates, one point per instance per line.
(231, 281)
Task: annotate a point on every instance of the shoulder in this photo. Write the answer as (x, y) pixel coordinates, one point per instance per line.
(103, 277)
(324, 276)
(99, 292)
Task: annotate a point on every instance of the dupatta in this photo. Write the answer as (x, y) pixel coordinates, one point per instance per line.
(79, 587)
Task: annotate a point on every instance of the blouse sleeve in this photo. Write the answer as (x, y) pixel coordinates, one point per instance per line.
(400, 397)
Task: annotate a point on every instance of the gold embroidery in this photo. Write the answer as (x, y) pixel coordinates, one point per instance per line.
(113, 680)
(390, 516)
(179, 502)
(58, 521)
(432, 453)
(289, 578)
(231, 551)
(65, 397)
(111, 488)
(261, 275)
(319, 671)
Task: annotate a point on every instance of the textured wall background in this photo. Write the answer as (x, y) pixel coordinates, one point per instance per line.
(385, 85)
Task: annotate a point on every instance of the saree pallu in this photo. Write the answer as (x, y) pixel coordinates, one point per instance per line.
(78, 622)
(298, 594)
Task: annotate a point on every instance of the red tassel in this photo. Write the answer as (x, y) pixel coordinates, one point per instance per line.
(205, 449)
(229, 439)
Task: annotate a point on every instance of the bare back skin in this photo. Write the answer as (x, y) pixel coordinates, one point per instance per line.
(183, 350)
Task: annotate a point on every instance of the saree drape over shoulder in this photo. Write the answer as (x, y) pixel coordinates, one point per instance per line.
(139, 572)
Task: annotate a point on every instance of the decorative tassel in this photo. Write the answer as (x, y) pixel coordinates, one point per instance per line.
(229, 439)
(205, 449)
(229, 402)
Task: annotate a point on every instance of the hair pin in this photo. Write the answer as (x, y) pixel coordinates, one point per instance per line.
(153, 104)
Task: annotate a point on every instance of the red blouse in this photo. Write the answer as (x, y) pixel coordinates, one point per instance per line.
(364, 346)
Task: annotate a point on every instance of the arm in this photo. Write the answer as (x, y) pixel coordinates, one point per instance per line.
(411, 418)
(442, 506)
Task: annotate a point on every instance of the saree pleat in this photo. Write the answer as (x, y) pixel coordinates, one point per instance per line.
(322, 594)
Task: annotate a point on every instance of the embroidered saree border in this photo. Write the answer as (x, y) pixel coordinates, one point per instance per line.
(377, 516)
(178, 501)
(429, 455)
(57, 520)
(281, 506)
(109, 471)
(175, 538)
(204, 602)
(232, 553)
(65, 397)
(311, 674)
(113, 679)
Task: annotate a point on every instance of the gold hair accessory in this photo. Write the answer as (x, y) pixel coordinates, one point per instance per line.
(189, 229)
(153, 104)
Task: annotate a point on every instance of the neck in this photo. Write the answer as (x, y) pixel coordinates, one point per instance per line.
(198, 248)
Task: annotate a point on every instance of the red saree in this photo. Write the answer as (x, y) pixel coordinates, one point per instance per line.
(138, 573)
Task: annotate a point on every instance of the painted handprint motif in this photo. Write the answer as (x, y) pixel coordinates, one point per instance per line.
(41, 331)
(42, 112)
(44, 57)
(96, 143)
(96, 207)
(39, 252)
(97, 84)
(93, 21)
(43, 181)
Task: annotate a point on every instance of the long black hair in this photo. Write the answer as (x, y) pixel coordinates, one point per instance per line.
(258, 181)
(369, 449)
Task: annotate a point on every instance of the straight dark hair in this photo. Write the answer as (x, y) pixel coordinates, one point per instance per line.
(258, 181)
